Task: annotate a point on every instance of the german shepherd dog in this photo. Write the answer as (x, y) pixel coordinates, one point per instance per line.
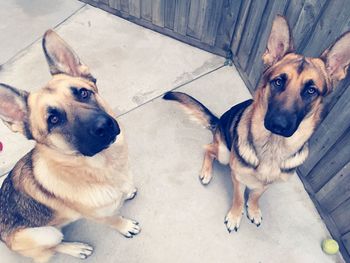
(78, 167)
(264, 140)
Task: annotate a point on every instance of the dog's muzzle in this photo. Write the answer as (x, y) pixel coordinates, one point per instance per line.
(96, 134)
(105, 128)
(281, 123)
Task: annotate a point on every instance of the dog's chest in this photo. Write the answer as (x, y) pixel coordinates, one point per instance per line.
(98, 184)
(271, 155)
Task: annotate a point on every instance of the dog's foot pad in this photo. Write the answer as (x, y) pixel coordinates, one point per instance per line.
(130, 228)
(254, 215)
(232, 221)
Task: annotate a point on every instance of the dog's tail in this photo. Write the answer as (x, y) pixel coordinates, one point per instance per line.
(194, 108)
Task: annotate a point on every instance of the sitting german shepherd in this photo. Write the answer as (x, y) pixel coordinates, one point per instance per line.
(78, 167)
(265, 139)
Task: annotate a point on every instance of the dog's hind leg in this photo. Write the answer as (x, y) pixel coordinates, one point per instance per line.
(36, 243)
(207, 167)
(41, 243)
(75, 249)
(253, 210)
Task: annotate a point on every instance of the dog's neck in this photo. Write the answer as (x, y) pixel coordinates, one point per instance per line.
(257, 143)
(291, 144)
(58, 172)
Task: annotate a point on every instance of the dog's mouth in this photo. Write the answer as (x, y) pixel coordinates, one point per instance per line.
(280, 132)
(92, 151)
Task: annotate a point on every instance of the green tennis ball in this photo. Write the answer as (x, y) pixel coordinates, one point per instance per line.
(330, 246)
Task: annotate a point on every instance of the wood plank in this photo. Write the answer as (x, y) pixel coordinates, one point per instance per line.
(328, 132)
(242, 18)
(212, 19)
(308, 16)
(114, 4)
(328, 28)
(251, 30)
(135, 8)
(336, 191)
(146, 9)
(341, 217)
(181, 16)
(346, 241)
(255, 65)
(169, 13)
(158, 12)
(168, 32)
(242, 74)
(332, 227)
(332, 99)
(228, 23)
(293, 10)
(106, 2)
(333, 161)
(124, 6)
(196, 18)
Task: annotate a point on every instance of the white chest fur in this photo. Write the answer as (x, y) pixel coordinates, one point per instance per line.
(99, 183)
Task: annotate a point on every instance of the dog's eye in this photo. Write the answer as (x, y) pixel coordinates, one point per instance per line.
(53, 119)
(84, 93)
(278, 82)
(311, 91)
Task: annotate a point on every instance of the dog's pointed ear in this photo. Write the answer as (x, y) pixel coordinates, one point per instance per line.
(280, 41)
(13, 108)
(61, 57)
(337, 58)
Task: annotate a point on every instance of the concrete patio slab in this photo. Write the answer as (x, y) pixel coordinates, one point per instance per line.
(181, 220)
(23, 22)
(132, 65)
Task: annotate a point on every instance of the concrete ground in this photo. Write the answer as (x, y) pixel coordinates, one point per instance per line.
(181, 220)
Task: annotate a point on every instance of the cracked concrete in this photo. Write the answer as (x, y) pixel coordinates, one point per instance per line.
(181, 220)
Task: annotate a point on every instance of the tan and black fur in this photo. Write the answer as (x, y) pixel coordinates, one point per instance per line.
(78, 167)
(265, 139)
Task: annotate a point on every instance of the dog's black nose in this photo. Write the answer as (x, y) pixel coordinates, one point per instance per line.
(104, 126)
(281, 124)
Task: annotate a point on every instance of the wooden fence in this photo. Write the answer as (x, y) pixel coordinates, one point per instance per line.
(239, 29)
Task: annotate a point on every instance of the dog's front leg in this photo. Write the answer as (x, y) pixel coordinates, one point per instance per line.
(253, 210)
(127, 227)
(234, 216)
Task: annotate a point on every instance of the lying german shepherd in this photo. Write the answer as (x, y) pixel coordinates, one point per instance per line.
(78, 167)
(265, 139)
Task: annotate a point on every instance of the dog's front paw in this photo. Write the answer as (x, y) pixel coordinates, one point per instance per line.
(254, 215)
(129, 228)
(233, 220)
(131, 195)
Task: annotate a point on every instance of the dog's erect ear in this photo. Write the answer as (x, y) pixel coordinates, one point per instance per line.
(280, 41)
(337, 58)
(62, 59)
(13, 109)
